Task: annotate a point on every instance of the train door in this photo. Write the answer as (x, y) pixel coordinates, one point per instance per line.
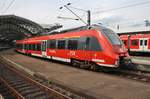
(43, 48)
(144, 44)
(88, 54)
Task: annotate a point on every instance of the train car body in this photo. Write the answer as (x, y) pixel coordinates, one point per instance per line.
(87, 46)
(137, 43)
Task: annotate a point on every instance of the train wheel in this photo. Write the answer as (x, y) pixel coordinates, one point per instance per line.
(94, 67)
(74, 63)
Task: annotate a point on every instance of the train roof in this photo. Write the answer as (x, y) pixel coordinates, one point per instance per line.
(77, 29)
(73, 30)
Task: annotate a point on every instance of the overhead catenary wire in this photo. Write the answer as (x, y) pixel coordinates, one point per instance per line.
(75, 15)
(3, 5)
(78, 9)
(8, 6)
(122, 7)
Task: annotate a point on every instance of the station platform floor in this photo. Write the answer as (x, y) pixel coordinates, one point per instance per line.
(1, 97)
(142, 60)
(98, 85)
(144, 63)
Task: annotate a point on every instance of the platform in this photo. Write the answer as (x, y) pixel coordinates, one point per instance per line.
(144, 62)
(140, 59)
(99, 85)
(1, 97)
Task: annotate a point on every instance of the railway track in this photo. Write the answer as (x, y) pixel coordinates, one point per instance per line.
(15, 85)
(133, 75)
(127, 73)
(6, 92)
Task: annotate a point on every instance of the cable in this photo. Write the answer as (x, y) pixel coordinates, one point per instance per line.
(78, 9)
(75, 14)
(8, 6)
(3, 5)
(123, 7)
(74, 2)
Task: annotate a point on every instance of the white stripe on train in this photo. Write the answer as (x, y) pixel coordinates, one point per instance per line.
(69, 60)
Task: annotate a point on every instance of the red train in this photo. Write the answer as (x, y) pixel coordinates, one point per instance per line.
(89, 46)
(137, 43)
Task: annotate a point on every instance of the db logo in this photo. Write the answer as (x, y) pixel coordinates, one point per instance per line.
(72, 53)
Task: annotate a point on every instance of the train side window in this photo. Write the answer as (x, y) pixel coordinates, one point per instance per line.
(145, 42)
(32, 47)
(125, 42)
(89, 43)
(38, 47)
(94, 45)
(35, 47)
(87, 46)
(82, 43)
(73, 44)
(24, 46)
(29, 46)
(52, 44)
(21, 46)
(134, 42)
(141, 42)
(61, 44)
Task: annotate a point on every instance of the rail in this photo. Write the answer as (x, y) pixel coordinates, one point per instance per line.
(23, 86)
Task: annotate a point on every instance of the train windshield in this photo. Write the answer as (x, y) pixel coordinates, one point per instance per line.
(112, 37)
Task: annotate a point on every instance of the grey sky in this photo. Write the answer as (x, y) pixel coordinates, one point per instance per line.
(46, 12)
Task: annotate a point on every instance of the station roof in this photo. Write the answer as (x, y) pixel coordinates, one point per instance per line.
(13, 28)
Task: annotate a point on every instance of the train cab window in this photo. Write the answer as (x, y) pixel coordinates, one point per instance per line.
(134, 42)
(73, 44)
(52, 44)
(112, 37)
(145, 42)
(61, 44)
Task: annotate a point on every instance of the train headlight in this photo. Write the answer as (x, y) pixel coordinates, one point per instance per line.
(117, 63)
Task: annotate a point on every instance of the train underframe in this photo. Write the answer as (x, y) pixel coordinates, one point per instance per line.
(123, 62)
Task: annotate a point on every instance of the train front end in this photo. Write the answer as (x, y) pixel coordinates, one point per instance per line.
(114, 53)
(117, 48)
